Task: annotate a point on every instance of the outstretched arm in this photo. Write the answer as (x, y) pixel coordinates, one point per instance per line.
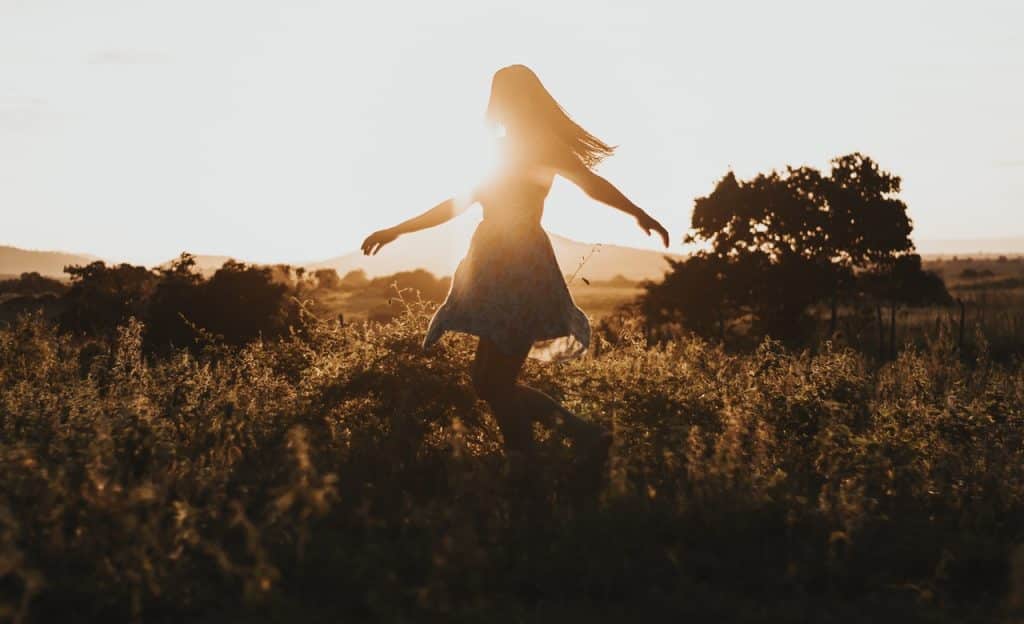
(445, 211)
(605, 192)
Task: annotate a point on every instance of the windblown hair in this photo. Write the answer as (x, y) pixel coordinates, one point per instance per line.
(518, 98)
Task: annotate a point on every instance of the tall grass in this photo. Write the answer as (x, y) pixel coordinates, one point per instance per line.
(342, 473)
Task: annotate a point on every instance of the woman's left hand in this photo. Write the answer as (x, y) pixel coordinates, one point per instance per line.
(649, 224)
(378, 239)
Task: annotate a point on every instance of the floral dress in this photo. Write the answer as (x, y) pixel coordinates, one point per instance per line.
(509, 287)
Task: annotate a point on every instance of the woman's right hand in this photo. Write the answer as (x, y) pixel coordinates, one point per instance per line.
(378, 239)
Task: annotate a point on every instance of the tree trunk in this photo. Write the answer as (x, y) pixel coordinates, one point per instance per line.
(963, 323)
(721, 325)
(881, 332)
(834, 322)
(892, 332)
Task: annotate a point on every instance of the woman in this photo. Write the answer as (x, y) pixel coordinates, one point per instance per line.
(509, 290)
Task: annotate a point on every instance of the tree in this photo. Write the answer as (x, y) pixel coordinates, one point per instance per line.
(693, 293)
(173, 305)
(239, 303)
(765, 242)
(354, 280)
(101, 298)
(242, 302)
(868, 225)
(31, 284)
(328, 279)
(781, 242)
(902, 282)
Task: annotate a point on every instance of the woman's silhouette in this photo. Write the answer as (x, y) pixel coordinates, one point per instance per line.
(509, 290)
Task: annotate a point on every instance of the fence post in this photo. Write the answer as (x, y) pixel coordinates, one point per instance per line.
(892, 332)
(881, 332)
(963, 320)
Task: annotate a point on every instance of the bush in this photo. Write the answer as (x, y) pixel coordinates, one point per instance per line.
(32, 284)
(238, 304)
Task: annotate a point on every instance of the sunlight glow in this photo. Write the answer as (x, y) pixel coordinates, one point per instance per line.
(479, 157)
(354, 117)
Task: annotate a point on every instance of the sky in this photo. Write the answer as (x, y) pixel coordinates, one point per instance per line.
(288, 131)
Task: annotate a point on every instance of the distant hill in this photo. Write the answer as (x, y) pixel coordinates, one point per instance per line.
(440, 250)
(969, 246)
(15, 261)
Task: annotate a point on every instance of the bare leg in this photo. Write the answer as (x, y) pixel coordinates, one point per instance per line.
(517, 405)
(494, 375)
(552, 414)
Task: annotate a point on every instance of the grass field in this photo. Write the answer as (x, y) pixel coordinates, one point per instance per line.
(343, 474)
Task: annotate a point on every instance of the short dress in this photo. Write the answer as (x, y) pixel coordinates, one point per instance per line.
(509, 288)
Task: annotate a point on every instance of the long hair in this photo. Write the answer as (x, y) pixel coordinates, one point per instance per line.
(518, 98)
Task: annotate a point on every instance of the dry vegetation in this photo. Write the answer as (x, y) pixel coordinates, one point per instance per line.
(342, 474)
(356, 297)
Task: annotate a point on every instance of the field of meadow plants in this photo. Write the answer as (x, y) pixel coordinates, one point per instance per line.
(343, 474)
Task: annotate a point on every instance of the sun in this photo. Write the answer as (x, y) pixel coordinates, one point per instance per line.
(479, 157)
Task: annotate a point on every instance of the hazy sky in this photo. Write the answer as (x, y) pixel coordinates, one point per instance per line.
(287, 131)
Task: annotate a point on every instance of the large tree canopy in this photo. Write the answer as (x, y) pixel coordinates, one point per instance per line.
(782, 241)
